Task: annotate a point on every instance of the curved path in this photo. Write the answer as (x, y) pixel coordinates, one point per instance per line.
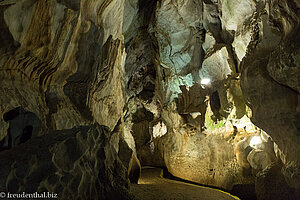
(152, 186)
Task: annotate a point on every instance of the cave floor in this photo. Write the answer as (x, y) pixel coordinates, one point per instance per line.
(153, 186)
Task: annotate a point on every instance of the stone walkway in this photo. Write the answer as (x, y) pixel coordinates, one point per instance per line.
(152, 186)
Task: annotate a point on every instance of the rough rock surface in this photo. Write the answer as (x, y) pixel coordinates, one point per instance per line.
(272, 96)
(79, 163)
(185, 85)
(232, 43)
(62, 64)
(69, 69)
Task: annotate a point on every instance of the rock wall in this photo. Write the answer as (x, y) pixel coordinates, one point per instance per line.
(79, 163)
(208, 89)
(226, 71)
(62, 66)
(67, 59)
(269, 83)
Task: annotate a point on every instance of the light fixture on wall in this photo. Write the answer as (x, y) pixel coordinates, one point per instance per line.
(255, 142)
(204, 82)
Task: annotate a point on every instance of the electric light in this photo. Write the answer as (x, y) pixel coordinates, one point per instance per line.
(255, 142)
(205, 81)
(159, 129)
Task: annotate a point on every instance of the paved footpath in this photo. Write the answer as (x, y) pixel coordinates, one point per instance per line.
(152, 186)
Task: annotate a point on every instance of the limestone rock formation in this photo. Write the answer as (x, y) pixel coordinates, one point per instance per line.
(79, 163)
(208, 89)
(62, 55)
(228, 43)
(62, 64)
(272, 98)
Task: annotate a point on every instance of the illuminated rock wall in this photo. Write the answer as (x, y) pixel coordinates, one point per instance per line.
(181, 84)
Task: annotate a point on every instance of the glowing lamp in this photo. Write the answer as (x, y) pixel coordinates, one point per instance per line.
(205, 81)
(255, 142)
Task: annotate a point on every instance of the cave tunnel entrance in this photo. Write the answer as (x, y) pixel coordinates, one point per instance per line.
(215, 105)
(23, 125)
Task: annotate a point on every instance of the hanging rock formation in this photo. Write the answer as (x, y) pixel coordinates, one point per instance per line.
(208, 89)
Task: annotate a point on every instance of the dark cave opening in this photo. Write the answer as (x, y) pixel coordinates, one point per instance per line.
(23, 125)
(215, 105)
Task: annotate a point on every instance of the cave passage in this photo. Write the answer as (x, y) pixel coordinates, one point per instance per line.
(152, 185)
(92, 91)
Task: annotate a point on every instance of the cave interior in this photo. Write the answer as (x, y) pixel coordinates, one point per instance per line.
(150, 99)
